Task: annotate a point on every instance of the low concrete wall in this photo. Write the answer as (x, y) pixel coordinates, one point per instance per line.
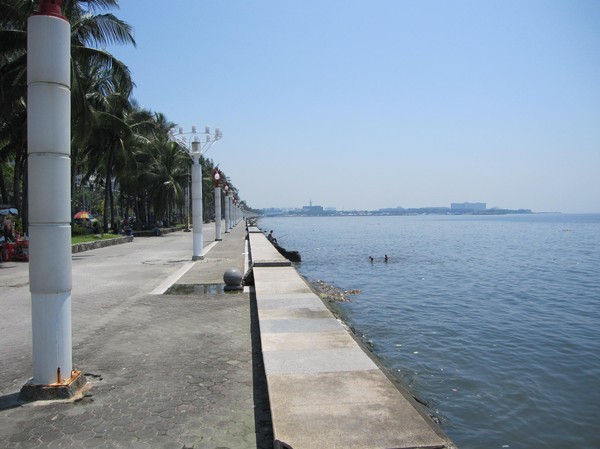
(80, 247)
(262, 252)
(152, 233)
(324, 390)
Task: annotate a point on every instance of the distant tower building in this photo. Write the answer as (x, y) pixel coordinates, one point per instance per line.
(312, 210)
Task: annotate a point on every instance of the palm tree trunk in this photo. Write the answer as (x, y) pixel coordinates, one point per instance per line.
(107, 185)
(113, 222)
(3, 189)
(18, 176)
(25, 204)
(74, 152)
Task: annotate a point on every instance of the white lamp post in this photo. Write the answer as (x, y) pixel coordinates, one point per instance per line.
(232, 212)
(231, 217)
(217, 179)
(235, 215)
(49, 148)
(196, 144)
(226, 205)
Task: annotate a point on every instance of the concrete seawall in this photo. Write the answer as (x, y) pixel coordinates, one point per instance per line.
(324, 390)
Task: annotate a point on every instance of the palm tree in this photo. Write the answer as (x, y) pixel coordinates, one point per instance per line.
(208, 189)
(110, 150)
(13, 89)
(96, 75)
(95, 72)
(88, 30)
(149, 128)
(167, 176)
(94, 85)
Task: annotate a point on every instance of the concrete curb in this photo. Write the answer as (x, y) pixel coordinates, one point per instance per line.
(80, 247)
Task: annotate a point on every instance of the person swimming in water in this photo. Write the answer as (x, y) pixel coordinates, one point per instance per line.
(371, 258)
(386, 258)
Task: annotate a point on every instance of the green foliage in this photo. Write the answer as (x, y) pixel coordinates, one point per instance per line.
(18, 224)
(91, 238)
(77, 230)
(118, 148)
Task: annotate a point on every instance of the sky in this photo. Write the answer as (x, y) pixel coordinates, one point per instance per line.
(361, 105)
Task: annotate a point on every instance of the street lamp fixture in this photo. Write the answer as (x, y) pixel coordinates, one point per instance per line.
(216, 177)
(196, 144)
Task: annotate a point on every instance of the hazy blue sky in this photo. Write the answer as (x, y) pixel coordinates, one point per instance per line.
(383, 103)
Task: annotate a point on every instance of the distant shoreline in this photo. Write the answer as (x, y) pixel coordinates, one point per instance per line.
(407, 212)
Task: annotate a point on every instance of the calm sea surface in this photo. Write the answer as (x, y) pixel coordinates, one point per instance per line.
(493, 321)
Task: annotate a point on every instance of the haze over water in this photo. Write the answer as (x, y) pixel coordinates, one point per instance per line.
(493, 321)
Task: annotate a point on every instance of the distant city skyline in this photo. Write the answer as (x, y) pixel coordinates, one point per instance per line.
(364, 106)
(476, 206)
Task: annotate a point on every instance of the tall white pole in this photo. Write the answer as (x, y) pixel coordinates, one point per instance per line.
(217, 213)
(226, 212)
(187, 206)
(230, 212)
(49, 146)
(197, 202)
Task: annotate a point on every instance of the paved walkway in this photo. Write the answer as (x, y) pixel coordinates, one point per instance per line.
(168, 370)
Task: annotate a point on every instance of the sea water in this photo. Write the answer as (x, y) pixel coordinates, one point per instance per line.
(492, 321)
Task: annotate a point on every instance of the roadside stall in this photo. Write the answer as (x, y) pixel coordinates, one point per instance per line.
(14, 246)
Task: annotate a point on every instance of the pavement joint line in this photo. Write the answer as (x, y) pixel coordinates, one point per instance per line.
(209, 247)
(168, 282)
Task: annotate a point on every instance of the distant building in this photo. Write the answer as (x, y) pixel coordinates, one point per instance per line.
(272, 212)
(392, 211)
(312, 210)
(468, 206)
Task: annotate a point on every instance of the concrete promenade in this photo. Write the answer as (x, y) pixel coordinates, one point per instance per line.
(166, 370)
(172, 361)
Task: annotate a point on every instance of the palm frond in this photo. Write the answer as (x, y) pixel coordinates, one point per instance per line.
(116, 75)
(101, 30)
